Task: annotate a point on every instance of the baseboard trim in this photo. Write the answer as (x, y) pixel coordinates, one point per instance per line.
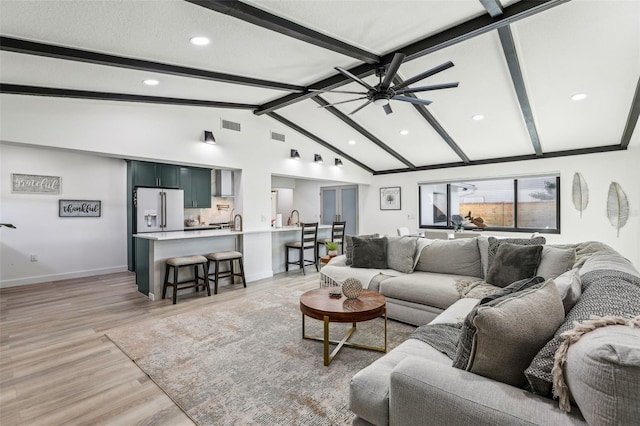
(58, 277)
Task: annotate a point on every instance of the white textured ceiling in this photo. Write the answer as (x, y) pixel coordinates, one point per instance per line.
(582, 46)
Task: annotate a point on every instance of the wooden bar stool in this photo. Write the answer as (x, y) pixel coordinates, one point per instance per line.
(225, 256)
(337, 236)
(308, 241)
(178, 262)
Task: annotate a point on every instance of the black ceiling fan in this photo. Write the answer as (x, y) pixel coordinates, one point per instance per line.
(383, 92)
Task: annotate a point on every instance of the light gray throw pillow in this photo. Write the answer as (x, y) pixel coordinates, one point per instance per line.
(400, 253)
(570, 288)
(555, 261)
(510, 330)
(458, 257)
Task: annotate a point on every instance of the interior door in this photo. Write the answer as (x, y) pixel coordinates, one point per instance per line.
(340, 203)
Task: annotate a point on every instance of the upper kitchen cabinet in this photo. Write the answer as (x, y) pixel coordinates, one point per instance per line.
(155, 174)
(196, 184)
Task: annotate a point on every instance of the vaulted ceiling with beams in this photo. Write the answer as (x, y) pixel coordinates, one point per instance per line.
(518, 65)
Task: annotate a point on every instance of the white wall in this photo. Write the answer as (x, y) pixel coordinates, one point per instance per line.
(65, 247)
(599, 170)
(160, 133)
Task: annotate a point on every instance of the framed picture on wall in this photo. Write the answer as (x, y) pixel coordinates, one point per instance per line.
(390, 198)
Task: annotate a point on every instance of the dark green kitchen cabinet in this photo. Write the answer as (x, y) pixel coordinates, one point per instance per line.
(196, 184)
(155, 174)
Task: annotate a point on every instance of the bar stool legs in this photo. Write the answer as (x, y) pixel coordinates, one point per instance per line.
(226, 256)
(176, 263)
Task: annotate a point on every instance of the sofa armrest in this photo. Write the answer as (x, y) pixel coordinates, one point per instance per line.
(426, 392)
(340, 260)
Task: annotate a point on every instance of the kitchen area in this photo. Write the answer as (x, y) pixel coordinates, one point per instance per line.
(182, 211)
(177, 211)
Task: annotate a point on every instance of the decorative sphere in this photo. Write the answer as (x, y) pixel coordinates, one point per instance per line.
(351, 288)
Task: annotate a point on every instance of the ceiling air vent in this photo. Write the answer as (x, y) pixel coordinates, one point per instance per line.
(230, 125)
(277, 136)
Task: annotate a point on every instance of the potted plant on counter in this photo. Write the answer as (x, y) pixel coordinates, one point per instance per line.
(332, 248)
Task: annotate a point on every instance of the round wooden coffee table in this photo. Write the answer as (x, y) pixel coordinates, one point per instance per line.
(317, 304)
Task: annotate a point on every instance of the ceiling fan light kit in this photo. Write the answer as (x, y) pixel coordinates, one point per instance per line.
(383, 92)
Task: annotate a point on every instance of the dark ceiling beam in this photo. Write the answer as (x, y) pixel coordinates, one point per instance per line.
(259, 17)
(510, 54)
(632, 119)
(318, 140)
(60, 52)
(364, 132)
(449, 37)
(567, 153)
(493, 8)
(16, 89)
(424, 112)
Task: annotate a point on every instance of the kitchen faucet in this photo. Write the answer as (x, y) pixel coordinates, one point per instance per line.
(297, 222)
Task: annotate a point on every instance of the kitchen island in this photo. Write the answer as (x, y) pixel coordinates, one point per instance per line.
(154, 248)
(263, 250)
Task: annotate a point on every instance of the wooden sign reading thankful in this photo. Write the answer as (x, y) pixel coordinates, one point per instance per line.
(79, 208)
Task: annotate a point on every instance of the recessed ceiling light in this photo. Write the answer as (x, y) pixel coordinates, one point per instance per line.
(478, 117)
(579, 96)
(151, 82)
(199, 41)
(352, 142)
(404, 132)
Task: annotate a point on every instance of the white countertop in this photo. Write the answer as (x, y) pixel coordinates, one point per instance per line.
(183, 235)
(207, 233)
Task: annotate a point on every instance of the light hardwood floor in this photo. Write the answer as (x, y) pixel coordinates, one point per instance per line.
(57, 367)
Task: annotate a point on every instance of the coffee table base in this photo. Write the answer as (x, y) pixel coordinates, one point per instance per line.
(344, 342)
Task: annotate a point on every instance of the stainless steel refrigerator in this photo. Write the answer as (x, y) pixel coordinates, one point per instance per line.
(159, 209)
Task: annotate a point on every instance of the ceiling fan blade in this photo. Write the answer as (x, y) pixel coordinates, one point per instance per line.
(387, 109)
(354, 78)
(360, 107)
(337, 91)
(394, 66)
(412, 100)
(425, 88)
(423, 75)
(342, 102)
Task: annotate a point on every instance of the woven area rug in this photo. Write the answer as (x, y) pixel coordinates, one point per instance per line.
(245, 362)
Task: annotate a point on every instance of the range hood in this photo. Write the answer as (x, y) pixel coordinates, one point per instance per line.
(223, 183)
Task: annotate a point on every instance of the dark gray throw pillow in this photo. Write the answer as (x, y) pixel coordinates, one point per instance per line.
(369, 253)
(495, 243)
(348, 250)
(512, 263)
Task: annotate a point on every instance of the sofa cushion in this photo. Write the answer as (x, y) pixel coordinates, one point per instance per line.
(603, 375)
(508, 332)
(494, 244)
(570, 288)
(348, 250)
(369, 388)
(512, 263)
(459, 257)
(555, 261)
(426, 288)
(604, 292)
(401, 253)
(483, 248)
(369, 253)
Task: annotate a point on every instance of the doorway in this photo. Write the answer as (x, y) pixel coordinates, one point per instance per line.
(340, 203)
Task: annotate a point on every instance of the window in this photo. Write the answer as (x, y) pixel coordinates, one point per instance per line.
(526, 204)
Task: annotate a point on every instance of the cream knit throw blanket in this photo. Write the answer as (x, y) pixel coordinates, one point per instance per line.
(560, 388)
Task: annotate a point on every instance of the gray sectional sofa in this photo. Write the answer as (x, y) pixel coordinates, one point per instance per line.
(417, 384)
